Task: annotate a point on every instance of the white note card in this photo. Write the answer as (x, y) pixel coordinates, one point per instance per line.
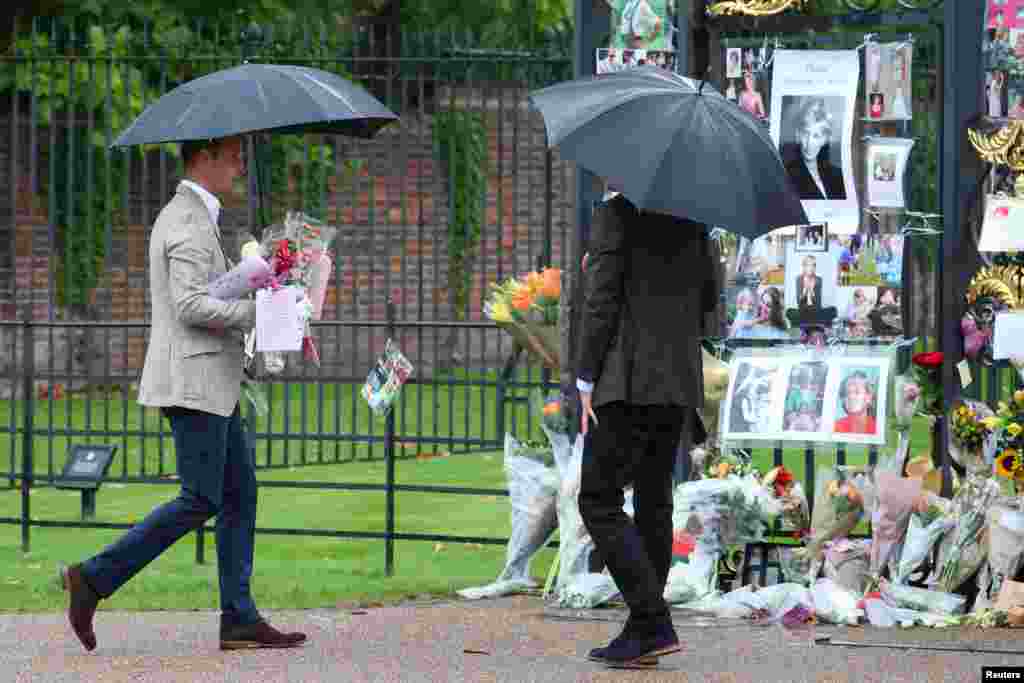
(278, 324)
(1008, 335)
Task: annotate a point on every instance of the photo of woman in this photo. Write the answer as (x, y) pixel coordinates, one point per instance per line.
(805, 397)
(733, 68)
(856, 312)
(750, 405)
(887, 315)
(877, 108)
(808, 293)
(996, 94)
(750, 99)
(811, 150)
(857, 408)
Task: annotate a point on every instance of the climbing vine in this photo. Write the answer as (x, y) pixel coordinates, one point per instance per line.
(461, 140)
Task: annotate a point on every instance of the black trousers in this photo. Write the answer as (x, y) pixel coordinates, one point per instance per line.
(634, 444)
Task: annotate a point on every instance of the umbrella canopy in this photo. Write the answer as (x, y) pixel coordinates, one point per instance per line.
(259, 97)
(673, 145)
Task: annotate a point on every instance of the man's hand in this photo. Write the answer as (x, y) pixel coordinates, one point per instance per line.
(587, 411)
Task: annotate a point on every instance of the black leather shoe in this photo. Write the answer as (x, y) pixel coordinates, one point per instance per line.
(598, 653)
(82, 604)
(258, 635)
(639, 649)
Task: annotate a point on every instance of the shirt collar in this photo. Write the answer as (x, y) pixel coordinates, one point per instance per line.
(211, 202)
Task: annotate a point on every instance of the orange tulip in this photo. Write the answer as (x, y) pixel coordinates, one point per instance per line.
(522, 300)
(551, 286)
(534, 283)
(552, 408)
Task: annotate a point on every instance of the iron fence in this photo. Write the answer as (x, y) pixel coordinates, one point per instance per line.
(313, 420)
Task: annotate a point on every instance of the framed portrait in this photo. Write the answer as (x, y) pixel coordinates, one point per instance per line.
(812, 238)
(733, 62)
(840, 398)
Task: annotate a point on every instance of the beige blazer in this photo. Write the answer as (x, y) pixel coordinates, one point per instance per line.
(195, 354)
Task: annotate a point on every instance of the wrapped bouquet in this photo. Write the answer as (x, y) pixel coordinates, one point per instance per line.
(527, 308)
(839, 506)
(298, 256)
(963, 550)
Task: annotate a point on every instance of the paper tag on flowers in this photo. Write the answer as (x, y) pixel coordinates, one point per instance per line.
(386, 378)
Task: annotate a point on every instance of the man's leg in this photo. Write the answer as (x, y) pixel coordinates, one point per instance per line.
(652, 491)
(199, 440)
(608, 464)
(236, 528)
(199, 444)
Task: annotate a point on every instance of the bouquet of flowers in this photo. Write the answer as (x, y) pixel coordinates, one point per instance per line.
(1007, 442)
(907, 401)
(840, 504)
(549, 407)
(1005, 550)
(928, 524)
(791, 498)
(298, 254)
(963, 550)
(527, 308)
(894, 503)
(922, 599)
(729, 464)
(926, 372)
(969, 432)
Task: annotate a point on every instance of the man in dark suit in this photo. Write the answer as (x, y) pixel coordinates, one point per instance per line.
(650, 281)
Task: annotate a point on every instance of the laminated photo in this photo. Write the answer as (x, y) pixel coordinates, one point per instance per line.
(887, 91)
(641, 24)
(887, 163)
(796, 397)
(812, 117)
(615, 59)
(811, 287)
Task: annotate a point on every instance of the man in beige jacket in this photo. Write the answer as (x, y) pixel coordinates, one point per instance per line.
(193, 373)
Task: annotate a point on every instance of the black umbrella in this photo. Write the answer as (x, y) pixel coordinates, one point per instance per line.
(259, 98)
(673, 145)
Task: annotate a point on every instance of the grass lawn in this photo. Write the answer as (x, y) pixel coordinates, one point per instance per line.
(291, 571)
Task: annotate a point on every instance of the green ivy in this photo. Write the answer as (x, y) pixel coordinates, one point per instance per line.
(461, 139)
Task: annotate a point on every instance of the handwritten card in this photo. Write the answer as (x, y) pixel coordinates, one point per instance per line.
(279, 326)
(1006, 339)
(1003, 226)
(248, 276)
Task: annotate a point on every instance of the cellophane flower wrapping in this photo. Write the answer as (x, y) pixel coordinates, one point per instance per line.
(533, 495)
(962, 551)
(894, 501)
(922, 599)
(924, 530)
(846, 562)
(834, 604)
(1005, 550)
(298, 252)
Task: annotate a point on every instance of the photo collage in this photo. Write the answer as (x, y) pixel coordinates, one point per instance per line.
(849, 284)
(789, 398)
(1004, 37)
(641, 35)
(744, 83)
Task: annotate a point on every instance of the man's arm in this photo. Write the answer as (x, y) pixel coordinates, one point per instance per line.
(190, 264)
(603, 303)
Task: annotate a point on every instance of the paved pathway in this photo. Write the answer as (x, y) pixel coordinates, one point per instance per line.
(512, 639)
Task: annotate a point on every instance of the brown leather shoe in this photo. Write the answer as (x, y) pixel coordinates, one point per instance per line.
(82, 607)
(258, 635)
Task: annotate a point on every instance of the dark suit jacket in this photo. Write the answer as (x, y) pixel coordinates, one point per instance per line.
(650, 280)
(803, 183)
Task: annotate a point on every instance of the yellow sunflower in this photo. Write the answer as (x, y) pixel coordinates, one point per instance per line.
(1014, 429)
(1008, 464)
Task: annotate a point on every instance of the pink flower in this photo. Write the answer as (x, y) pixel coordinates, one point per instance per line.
(910, 392)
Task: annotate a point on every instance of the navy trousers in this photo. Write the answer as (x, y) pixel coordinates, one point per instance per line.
(218, 479)
(633, 444)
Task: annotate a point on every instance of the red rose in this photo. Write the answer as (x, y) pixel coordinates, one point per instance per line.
(930, 360)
